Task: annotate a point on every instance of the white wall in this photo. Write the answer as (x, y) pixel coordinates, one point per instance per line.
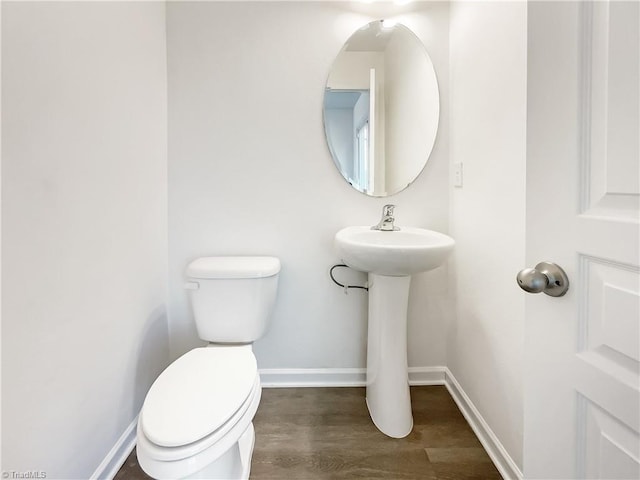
(249, 171)
(84, 206)
(488, 43)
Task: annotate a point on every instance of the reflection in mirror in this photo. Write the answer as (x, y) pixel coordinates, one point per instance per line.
(381, 109)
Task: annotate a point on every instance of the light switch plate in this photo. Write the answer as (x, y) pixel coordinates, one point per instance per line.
(457, 174)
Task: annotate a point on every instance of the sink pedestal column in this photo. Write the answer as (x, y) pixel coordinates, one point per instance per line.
(388, 397)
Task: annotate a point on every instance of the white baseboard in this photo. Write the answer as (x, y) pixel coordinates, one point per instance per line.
(118, 454)
(340, 377)
(312, 377)
(427, 375)
(494, 448)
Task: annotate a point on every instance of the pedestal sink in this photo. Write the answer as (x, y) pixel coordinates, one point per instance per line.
(390, 258)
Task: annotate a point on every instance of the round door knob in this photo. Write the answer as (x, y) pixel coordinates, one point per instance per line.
(546, 277)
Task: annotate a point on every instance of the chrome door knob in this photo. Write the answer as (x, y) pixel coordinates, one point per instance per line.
(546, 277)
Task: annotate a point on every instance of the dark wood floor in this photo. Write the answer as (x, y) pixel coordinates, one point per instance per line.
(326, 433)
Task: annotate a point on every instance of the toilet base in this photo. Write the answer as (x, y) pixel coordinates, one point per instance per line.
(234, 464)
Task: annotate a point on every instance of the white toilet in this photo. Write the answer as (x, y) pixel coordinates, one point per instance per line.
(196, 421)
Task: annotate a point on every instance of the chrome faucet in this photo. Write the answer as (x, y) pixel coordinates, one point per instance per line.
(386, 222)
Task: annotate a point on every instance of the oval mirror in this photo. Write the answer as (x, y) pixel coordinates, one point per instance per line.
(381, 109)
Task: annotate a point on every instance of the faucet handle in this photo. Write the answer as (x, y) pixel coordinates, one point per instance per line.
(387, 210)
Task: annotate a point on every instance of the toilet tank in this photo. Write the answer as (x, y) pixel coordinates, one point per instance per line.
(232, 297)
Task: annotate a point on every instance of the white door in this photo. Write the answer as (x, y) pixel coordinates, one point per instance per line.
(582, 350)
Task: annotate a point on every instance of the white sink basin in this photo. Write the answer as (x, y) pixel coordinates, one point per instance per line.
(394, 253)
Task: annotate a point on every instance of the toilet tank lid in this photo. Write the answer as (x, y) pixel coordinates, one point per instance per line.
(233, 267)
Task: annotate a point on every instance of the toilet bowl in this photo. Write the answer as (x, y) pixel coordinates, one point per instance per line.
(196, 420)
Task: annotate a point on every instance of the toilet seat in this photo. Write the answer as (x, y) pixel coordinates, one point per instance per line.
(198, 394)
(178, 462)
(242, 418)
